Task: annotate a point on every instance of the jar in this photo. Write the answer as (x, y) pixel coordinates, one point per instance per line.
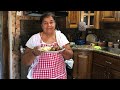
(110, 44)
(116, 45)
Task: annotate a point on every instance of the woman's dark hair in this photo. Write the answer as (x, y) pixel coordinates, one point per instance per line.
(47, 14)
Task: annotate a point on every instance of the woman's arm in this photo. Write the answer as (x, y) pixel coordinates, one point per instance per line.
(68, 52)
(30, 55)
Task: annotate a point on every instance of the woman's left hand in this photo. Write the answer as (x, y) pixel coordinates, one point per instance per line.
(67, 53)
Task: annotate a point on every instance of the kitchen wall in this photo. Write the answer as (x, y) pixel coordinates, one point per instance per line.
(73, 33)
(110, 31)
(16, 56)
(106, 33)
(110, 35)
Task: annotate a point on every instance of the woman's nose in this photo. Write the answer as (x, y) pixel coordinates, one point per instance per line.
(49, 24)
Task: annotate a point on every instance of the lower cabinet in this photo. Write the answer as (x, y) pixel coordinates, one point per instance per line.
(95, 65)
(82, 64)
(105, 67)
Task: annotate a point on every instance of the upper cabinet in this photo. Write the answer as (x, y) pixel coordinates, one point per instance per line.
(73, 19)
(109, 16)
(91, 18)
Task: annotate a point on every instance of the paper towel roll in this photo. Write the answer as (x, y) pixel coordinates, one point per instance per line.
(82, 26)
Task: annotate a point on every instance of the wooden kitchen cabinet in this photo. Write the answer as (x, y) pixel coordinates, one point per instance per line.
(90, 17)
(82, 64)
(73, 19)
(107, 16)
(105, 67)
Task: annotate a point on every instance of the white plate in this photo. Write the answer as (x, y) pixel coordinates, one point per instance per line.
(91, 38)
(55, 51)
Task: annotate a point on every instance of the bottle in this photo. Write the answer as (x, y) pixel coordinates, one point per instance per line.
(21, 49)
(118, 41)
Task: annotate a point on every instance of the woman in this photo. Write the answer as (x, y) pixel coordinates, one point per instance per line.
(47, 65)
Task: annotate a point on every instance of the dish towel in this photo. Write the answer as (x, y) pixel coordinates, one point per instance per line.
(70, 63)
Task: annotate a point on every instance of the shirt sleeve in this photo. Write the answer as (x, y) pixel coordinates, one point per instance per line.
(32, 42)
(63, 40)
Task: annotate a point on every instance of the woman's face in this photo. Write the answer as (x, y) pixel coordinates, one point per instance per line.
(48, 25)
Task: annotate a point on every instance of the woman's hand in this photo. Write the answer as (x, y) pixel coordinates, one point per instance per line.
(67, 53)
(36, 51)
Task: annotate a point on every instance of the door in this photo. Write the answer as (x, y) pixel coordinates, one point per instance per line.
(28, 28)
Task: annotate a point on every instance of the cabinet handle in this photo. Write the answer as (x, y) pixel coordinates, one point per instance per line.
(108, 62)
(105, 75)
(108, 75)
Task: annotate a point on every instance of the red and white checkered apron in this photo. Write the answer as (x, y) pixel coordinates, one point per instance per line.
(50, 66)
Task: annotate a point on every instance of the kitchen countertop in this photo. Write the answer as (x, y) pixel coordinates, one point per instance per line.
(90, 48)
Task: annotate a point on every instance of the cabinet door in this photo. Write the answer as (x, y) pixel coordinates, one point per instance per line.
(75, 64)
(107, 15)
(98, 72)
(88, 18)
(73, 19)
(117, 15)
(91, 18)
(114, 74)
(105, 67)
(83, 66)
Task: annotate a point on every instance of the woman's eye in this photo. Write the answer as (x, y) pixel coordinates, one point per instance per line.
(45, 23)
(51, 22)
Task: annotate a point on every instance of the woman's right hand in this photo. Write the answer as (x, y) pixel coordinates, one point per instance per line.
(36, 51)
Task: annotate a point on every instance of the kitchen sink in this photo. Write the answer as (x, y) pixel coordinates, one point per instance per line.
(112, 50)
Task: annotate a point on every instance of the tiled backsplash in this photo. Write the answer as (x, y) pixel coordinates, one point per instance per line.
(110, 34)
(110, 31)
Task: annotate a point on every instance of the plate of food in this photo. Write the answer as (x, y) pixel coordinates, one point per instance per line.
(58, 51)
(50, 49)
